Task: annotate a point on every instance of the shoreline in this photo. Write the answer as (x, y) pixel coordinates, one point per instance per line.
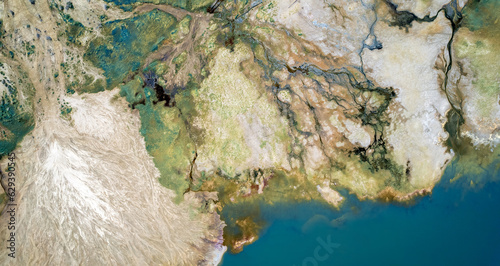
(389, 196)
(372, 219)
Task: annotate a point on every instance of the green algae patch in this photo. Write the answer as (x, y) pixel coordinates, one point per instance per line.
(77, 78)
(179, 61)
(158, 67)
(16, 117)
(15, 123)
(481, 15)
(182, 29)
(127, 42)
(169, 144)
(167, 139)
(74, 29)
(190, 5)
(185, 101)
(133, 92)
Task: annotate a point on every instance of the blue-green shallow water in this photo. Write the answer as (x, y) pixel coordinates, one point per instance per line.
(456, 225)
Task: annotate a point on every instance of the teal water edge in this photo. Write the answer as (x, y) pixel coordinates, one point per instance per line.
(458, 224)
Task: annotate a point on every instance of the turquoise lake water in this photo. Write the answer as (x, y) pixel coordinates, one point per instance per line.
(456, 225)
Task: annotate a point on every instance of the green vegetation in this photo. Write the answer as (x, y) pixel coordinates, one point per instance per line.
(14, 120)
(190, 5)
(481, 15)
(81, 82)
(65, 108)
(30, 48)
(74, 29)
(127, 43)
(164, 130)
(179, 60)
(121, 53)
